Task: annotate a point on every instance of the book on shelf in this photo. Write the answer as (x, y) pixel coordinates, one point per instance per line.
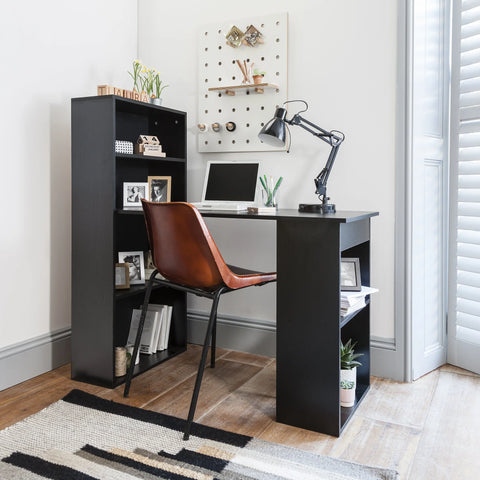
(165, 311)
(156, 329)
(350, 302)
(150, 328)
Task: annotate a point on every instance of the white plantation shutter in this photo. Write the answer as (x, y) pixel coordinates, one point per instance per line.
(466, 178)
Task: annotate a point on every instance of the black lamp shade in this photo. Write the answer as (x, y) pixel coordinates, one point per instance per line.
(274, 132)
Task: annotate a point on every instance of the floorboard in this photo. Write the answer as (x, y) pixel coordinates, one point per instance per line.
(427, 430)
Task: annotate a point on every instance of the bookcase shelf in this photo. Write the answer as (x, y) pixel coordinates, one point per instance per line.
(101, 228)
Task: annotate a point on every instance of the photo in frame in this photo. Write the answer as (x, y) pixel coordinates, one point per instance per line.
(133, 192)
(350, 279)
(122, 277)
(159, 189)
(136, 266)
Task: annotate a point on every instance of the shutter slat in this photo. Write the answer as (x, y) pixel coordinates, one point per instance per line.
(468, 178)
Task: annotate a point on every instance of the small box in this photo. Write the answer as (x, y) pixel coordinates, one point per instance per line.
(124, 146)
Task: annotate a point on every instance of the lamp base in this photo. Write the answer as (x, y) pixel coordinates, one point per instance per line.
(316, 208)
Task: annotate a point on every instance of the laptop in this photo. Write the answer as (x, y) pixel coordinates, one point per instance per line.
(229, 186)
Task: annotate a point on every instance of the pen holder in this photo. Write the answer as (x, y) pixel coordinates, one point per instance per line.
(270, 199)
(270, 191)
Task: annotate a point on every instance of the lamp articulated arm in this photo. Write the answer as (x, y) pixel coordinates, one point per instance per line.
(334, 139)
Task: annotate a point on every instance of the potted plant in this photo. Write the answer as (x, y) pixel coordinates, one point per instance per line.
(258, 76)
(137, 67)
(348, 372)
(347, 393)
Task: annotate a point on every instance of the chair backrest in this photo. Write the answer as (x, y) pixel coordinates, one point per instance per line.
(183, 250)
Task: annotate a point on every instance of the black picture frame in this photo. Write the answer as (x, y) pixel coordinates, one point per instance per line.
(350, 278)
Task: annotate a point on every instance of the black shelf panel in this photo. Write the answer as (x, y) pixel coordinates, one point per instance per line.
(347, 412)
(138, 156)
(134, 290)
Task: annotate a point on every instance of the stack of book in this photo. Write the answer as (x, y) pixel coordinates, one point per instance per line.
(350, 302)
(156, 328)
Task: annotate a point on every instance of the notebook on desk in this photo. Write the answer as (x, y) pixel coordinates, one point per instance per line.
(229, 186)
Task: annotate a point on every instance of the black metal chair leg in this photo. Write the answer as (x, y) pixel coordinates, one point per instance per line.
(139, 333)
(201, 367)
(214, 343)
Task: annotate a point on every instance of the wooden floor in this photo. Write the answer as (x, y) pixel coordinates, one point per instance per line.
(426, 430)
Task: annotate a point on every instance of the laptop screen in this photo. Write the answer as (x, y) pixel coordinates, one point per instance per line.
(231, 182)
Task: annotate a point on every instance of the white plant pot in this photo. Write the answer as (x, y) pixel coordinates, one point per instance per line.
(347, 396)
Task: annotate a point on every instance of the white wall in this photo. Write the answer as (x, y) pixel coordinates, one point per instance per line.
(342, 60)
(50, 51)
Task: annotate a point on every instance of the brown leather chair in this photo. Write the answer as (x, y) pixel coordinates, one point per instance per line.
(184, 253)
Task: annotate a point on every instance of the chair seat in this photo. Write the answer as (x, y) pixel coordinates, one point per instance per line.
(243, 277)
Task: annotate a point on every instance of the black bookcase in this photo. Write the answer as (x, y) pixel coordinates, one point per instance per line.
(101, 228)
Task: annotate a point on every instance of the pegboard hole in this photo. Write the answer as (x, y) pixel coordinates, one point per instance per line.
(277, 57)
(262, 25)
(262, 108)
(206, 95)
(247, 92)
(220, 78)
(277, 23)
(206, 80)
(263, 58)
(233, 61)
(277, 40)
(206, 64)
(206, 33)
(206, 142)
(248, 60)
(219, 94)
(247, 125)
(233, 109)
(219, 63)
(219, 142)
(248, 109)
(220, 31)
(262, 124)
(219, 110)
(277, 90)
(206, 49)
(277, 73)
(206, 111)
(220, 47)
(233, 141)
(233, 78)
(247, 140)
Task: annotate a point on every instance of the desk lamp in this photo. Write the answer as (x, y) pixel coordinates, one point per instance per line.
(274, 133)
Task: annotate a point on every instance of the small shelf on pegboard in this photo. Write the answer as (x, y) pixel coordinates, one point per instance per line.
(257, 88)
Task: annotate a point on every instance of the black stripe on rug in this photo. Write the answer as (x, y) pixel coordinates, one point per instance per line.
(44, 468)
(84, 399)
(128, 462)
(197, 459)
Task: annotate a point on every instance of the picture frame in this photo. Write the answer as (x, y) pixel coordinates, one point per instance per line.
(350, 278)
(159, 189)
(122, 277)
(136, 268)
(133, 192)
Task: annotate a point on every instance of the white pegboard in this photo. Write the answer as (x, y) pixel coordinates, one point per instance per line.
(248, 109)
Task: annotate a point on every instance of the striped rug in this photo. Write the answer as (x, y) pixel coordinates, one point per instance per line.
(86, 437)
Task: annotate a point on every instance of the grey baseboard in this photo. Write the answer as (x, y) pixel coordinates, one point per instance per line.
(25, 360)
(258, 337)
(234, 333)
(386, 360)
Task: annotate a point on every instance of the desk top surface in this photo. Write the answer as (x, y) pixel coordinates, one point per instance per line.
(292, 214)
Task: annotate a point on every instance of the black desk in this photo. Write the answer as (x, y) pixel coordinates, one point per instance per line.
(309, 326)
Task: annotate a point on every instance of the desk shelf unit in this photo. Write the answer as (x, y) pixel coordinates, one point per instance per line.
(309, 326)
(101, 228)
